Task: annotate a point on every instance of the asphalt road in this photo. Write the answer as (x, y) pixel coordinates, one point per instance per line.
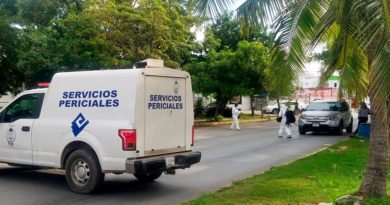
(226, 156)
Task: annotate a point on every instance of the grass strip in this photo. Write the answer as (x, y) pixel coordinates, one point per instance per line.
(321, 177)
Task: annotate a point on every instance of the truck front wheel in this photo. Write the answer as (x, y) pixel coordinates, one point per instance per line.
(83, 172)
(149, 177)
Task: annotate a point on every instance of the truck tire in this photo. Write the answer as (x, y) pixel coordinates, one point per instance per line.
(148, 177)
(83, 172)
(349, 128)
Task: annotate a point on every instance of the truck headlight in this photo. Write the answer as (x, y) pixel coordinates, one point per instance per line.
(303, 116)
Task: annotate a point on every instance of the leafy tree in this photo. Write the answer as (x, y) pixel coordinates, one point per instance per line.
(40, 12)
(152, 29)
(8, 8)
(39, 38)
(226, 30)
(77, 43)
(228, 67)
(358, 33)
(8, 55)
(229, 73)
(34, 58)
(254, 58)
(215, 74)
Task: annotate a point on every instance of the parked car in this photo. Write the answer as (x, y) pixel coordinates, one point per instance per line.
(326, 115)
(273, 107)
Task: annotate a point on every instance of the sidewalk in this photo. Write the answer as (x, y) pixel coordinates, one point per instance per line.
(227, 121)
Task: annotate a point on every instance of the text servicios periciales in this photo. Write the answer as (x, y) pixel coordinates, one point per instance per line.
(95, 98)
(165, 102)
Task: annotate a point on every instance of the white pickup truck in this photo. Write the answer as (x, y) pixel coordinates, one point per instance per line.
(137, 121)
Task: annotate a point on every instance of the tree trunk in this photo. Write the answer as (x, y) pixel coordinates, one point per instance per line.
(220, 105)
(375, 181)
(252, 106)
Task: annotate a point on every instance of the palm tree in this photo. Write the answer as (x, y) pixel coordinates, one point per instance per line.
(357, 33)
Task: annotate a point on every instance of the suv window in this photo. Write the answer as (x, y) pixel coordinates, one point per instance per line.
(324, 106)
(26, 107)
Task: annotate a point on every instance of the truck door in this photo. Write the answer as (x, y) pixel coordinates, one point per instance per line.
(165, 116)
(16, 124)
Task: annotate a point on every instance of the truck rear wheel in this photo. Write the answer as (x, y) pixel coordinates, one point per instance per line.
(83, 172)
(148, 177)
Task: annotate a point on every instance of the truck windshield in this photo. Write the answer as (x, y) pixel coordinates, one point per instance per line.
(324, 106)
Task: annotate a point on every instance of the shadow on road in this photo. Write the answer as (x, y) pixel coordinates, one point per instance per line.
(42, 179)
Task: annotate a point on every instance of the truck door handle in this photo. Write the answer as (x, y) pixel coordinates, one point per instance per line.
(26, 129)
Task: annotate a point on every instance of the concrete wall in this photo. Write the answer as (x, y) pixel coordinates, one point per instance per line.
(5, 99)
(245, 104)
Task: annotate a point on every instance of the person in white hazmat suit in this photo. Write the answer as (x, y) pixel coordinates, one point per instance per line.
(235, 114)
(283, 126)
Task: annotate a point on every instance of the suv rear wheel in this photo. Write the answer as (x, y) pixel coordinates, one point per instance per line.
(349, 128)
(301, 130)
(339, 130)
(275, 111)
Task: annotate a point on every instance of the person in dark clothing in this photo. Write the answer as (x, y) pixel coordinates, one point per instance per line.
(364, 111)
(296, 108)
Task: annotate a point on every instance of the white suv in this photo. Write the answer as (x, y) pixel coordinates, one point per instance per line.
(326, 115)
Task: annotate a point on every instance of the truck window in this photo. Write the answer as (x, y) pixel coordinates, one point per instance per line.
(25, 107)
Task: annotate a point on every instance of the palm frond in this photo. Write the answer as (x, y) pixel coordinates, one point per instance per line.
(386, 12)
(347, 57)
(370, 20)
(261, 11)
(380, 71)
(326, 29)
(293, 31)
(212, 8)
(354, 75)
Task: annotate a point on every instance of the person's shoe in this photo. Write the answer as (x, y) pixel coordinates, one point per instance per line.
(289, 137)
(238, 129)
(280, 136)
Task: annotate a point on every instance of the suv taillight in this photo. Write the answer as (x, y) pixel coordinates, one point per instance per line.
(193, 135)
(129, 139)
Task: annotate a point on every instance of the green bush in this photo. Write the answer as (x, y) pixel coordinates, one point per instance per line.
(199, 110)
(217, 118)
(210, 112)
